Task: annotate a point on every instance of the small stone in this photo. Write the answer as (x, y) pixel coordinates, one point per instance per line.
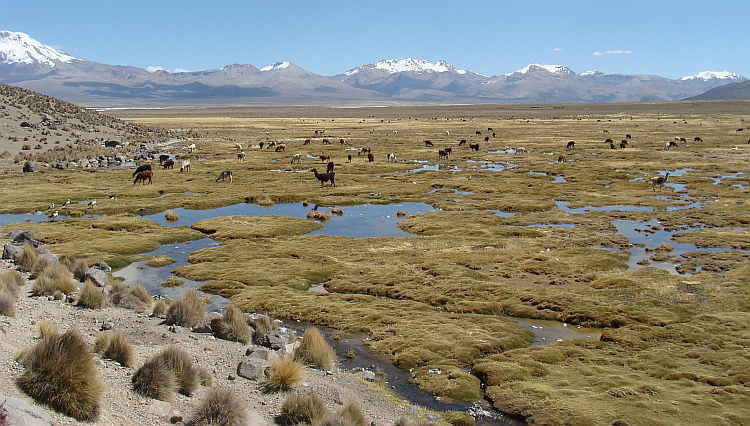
(107, 326)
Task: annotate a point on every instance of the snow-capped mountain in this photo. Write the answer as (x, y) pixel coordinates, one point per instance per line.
(19, 48)
(714, 75)
(32, 65)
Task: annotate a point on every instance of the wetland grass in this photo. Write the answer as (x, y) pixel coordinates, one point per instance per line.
(438, 301)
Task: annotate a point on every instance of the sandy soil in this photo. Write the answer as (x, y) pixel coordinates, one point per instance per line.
(122, 406)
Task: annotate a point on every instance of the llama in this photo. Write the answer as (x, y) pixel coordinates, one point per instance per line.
(442, 154)
(142, 168)
(342, 141)
(521, 150)
(326, 142)
(329, 167)
(169, 164)
(462, 142)
(224, 175)
(324, 158)
(448, 150)
(239, 147)
(241, 156)
(370, 157)
(659, 181)
(428, 143)
(141, 178)
(280, 148)
(324, 177)
(561, 158)
(191, 147)
(185, 166)
(570, 144)
(392, 157)
(297, 158)
(697, 139)
(365, 150)
(628, 136)
(163, 158)
(474, 146)
(307, 142)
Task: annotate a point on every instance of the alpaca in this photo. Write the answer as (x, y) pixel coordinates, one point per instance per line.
(329, 167)
(561, 158)
(659, 181)
(142, 176)
(570, 144)
(225, 174)
(142, 168)
(324, 177)
(241, 155)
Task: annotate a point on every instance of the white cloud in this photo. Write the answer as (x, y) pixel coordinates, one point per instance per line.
(174, 71)
(558, 49)
(613, 52)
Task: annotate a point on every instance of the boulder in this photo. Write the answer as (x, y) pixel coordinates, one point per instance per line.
(262, 353)
(208, 324)
(102, 266)
(30, 167)
(15, 411)
(97, 276)
(21, 237)
(12, 253)
(252, 368)
(277, 338)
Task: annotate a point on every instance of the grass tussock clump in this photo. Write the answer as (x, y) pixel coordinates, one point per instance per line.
(233, 325)
(29, 258)
(315, 351)
(187, 310)
(160, 308)
(77, 267)
(7, 304)
(173, 282)
(308, 409)
(283, 374)
(54, 278)
(160, 260)
(141, 293)
(60, 372)
(219, 407)
(171, 370)
(348, 415)
(12, 278)
(91, 296)
(171, 216)
(112, 345)
(262, 325)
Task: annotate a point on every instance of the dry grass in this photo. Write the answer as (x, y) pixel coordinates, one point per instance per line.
(181, 364)
(283, 374)
(77, 267)
(12, 278)
(173, 282)
(219, 407)
(141, 293)
(29, 258)
(91, 296)
(315, 351)
(112, 345)
(297, 409)
(160, 260)
(262, 325)
(155, 380)
(7, 304)
(233, 325)
(171, 216)
(160, 308)
(55, 277)
(60, 372)
(187, 310)
(46, 329)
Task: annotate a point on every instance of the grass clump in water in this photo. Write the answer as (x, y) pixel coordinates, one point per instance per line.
(160, 260)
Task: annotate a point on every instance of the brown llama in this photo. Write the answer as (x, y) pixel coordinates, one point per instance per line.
(324, 177)
(142, 176)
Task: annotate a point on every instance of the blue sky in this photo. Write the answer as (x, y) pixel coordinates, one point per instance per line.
(667, 38)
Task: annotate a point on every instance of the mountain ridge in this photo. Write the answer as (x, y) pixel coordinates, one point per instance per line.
(35, 66)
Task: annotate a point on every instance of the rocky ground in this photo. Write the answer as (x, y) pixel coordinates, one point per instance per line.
(120, 405)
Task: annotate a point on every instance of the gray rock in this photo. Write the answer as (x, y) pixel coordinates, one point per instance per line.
(367, 375)
(60, 166)
(255, 419)
(12, 253)
(252, 368)
(160, 408)
(97, 276)
(262, 353)
(21, 237)
(72, 164)
(17, 412)
(277, 338)
(30, 167)
(102, 266)
(208, 324)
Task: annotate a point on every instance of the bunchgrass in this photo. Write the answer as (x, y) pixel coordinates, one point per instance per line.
(348, 415)
(11, 282)
(173, 282)
(46, 329)
(77, 267)
(112, 345)
(315, 351)
(233, 325)
(186, 310)
(308, 409)
(155, 380)
(262, 325)
(7, 304)
(180, 363)
(55, 277)
(283, 374)
(60, 372)
(91, 296)
(160, 308)
(29, 257)
(171, 216)
(219, 407)
(141, 293)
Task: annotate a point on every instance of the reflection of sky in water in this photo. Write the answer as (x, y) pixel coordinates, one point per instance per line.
(563, 205)
(151, 278)
(6, 219)
(366, 220)
(550, 332)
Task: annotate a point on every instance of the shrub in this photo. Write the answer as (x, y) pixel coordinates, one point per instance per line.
(141, 293)
(283, 373)
(91, 296)
(219, 407)
(186, 310)
(29, 257)
(233, 325)
(182, 366)
(55, 277)
(155, 380)
(171, 215)
(315, 351)
(160, 308)
(77, 267)
(118, 285)
(60, 372)
(303, 409)
(112, 345)
(12, 276)
(7, 304)
(263, 325)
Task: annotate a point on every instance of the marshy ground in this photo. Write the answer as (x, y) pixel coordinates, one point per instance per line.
(514, 234)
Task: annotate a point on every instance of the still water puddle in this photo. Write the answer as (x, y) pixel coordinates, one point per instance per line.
(563, 205)
(551, 332)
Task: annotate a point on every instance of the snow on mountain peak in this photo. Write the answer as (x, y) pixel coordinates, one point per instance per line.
(554, 69)
(590, 72)
(276, 66)
(710, 75)
(393, 66)
(20, 48)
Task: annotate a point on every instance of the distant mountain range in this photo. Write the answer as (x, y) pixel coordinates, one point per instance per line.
(32, 65)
